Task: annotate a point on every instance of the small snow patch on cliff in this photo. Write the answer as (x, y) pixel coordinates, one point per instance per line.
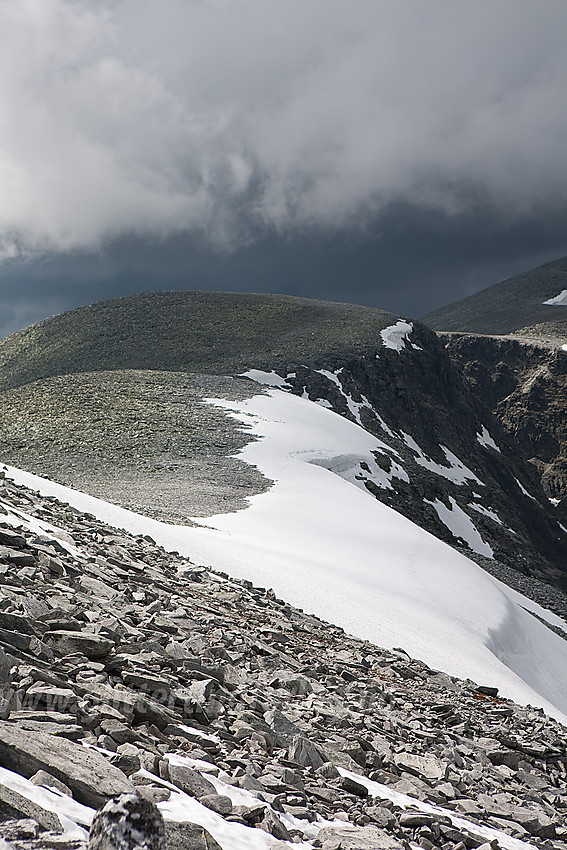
(559, 300)
(395, 336)
(456, 472)
(486, 440)
(460, 525)
(268, 379)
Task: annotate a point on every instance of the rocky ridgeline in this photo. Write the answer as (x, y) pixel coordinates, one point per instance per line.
(128, 669)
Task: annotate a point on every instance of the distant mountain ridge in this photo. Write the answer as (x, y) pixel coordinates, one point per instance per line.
(511, 306)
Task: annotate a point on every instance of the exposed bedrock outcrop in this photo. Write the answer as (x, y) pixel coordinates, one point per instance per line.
(525, 384)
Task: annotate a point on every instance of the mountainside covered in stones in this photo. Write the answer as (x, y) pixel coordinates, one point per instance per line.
(109, 399)
(533, 304)
(249, 722)
(214, 333)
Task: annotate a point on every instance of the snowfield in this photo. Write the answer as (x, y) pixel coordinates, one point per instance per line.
(332, 549)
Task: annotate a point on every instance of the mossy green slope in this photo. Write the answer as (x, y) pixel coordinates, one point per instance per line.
(200, 332)
(510, 306)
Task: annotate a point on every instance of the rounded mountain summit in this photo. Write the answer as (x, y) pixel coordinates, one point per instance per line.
(204, 332)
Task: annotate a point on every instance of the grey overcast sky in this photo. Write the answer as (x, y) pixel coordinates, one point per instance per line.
(400, 154)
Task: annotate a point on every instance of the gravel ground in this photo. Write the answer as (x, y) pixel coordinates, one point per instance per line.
(143, 440)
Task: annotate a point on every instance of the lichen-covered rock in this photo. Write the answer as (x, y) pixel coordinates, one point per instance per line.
(127, 822)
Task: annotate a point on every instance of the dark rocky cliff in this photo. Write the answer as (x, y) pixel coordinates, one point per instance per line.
(525, 384)
(432, 422)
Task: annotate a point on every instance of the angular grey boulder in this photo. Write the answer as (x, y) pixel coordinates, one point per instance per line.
(303, 752)
(86, 772)
(91, 645)
(15, 805)
(426, 767)
(188, 780)
(181, 835)
(350, 837)
(282, 726)
(219, 803)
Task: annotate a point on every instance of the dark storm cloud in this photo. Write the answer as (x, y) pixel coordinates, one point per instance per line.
(238, 121)
(407, 261)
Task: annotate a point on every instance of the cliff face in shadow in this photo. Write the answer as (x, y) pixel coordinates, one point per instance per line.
(448, 463)
(525, 384)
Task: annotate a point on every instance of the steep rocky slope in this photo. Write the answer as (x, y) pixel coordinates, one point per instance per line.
(144, 439)
(248, 721)
(515, 305)
(525, 384)
(510, 343)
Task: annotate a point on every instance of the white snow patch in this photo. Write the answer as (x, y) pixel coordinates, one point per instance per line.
(356, 406)
(564, 348)
(486, 440)
(486, 512)
(524, 491)
(461, 525)
(20, 519)
(352, 560)
(200, 734)
(558, 300)
(70, 813)
(386, 428)
(384, 479)
(395, 336)
(268, 379)
(242, 797)
(456, 472)
(231, 836)
(554, 502)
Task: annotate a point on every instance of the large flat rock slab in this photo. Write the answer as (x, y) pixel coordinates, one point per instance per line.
(15, 805)
(86, 772)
